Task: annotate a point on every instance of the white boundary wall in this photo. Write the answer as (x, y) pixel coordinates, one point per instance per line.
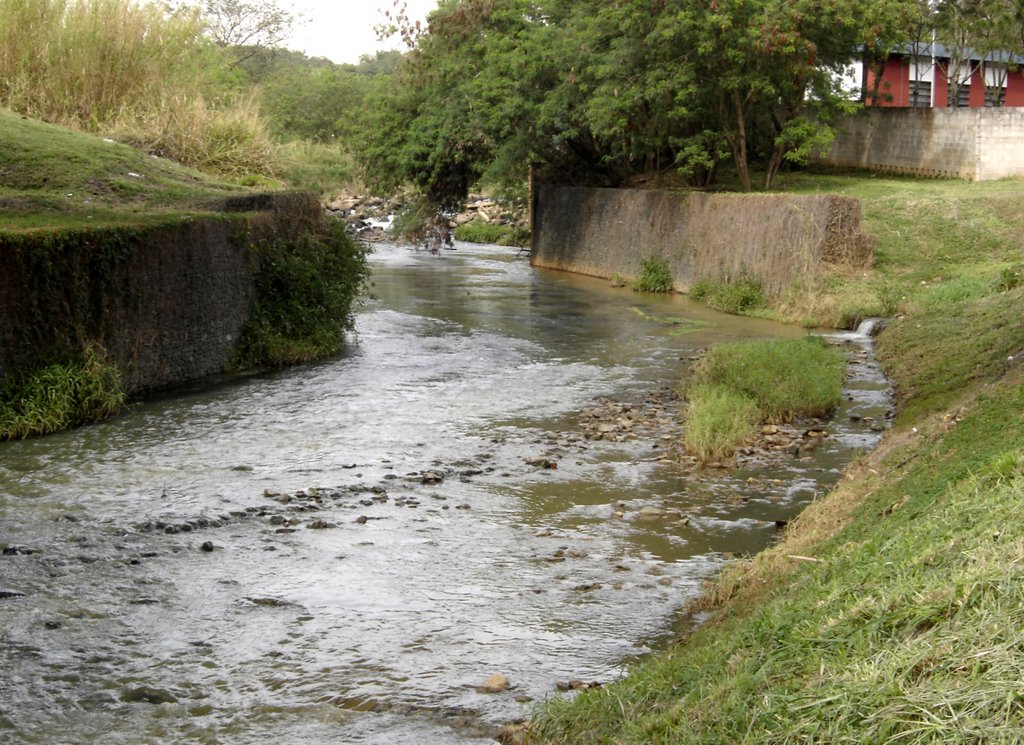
(974, 144)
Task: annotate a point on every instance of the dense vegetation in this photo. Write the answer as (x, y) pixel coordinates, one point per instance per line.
(305, 293)
(73, 210)
(589, 92)
(598, 92)
(84, 388)
(204, 86)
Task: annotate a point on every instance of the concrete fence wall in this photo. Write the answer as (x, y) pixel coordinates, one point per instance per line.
(166, 301)
(777, 239)
(974, 144)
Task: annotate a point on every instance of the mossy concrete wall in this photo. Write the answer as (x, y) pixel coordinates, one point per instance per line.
(777, 239)
(166, 301)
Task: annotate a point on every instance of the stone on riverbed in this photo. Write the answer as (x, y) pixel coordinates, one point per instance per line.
(497, 683)
(148, 695)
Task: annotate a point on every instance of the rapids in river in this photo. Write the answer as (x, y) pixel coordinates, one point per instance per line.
(344, 552)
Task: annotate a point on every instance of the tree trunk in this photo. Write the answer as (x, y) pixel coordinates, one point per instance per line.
(739, 142)
(774, 164)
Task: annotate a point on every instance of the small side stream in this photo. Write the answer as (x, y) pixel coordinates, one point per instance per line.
(345, 552)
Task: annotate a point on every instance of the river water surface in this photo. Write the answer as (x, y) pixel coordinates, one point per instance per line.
(344, 552)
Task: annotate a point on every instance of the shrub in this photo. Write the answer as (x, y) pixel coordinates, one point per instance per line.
(87, 63)
(730, 296)
(419, 222)
(654, 277)
(59, 396)
(787, 378)
(718, 420)
(305, 293)
(229, 141)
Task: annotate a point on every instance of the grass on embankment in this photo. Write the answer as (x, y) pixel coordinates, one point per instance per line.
(741, 384)
(51, 177)
(893, 610)
(937, 242)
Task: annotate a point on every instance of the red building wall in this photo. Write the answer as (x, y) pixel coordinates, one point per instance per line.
(894, 89)
(1014, 89)
(976, 99)
(940, 87)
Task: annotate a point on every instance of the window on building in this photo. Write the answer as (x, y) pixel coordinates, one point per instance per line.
(995, 97)
(962, 95)
(920, 93)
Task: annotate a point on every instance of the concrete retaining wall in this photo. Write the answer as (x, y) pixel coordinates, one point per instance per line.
(168, 301)
(975, 144)
(778, 239)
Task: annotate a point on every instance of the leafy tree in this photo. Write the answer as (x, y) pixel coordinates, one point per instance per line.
(981, 36)
(598, 93)
(999, 42)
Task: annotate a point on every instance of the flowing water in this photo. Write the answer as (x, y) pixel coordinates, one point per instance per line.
(344, 552)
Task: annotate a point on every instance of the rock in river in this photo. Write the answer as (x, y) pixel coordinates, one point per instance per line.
(494, 684)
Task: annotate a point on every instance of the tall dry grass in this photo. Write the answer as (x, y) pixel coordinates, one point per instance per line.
(134, 69)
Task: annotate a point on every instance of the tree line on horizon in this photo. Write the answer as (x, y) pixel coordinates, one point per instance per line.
(587, 91)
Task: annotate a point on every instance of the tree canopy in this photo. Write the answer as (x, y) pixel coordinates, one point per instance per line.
(598, 92)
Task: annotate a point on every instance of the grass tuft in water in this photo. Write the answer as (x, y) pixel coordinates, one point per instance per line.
(717, 421)
(740, 384)
(654, 276)
(787, 378)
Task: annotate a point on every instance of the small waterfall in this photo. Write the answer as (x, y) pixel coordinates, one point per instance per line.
(871, 326)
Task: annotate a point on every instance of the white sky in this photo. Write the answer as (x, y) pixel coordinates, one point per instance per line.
(342, 30)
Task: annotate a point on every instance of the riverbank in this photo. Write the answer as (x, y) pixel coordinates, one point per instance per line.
(135, 274)
(892, 608)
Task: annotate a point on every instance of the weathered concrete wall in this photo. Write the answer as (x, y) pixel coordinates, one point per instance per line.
(975, 144)
(167, 301)
(775, 238)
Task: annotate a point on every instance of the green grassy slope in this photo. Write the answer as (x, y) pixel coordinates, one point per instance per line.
(54, 177)
(893, 610)
(936, 242)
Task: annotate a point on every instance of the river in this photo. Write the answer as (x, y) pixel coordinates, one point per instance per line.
(344, 552)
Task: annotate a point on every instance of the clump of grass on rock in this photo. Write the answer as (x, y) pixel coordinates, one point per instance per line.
(740, 384)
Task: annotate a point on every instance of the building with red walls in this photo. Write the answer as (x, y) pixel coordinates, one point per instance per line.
(921, 79)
